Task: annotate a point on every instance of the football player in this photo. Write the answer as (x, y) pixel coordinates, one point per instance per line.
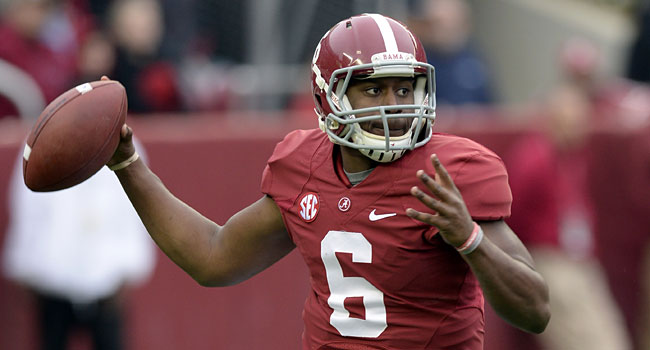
(418, 215)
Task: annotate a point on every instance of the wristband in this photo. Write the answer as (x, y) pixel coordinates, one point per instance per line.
(125, 163)
(473, 241)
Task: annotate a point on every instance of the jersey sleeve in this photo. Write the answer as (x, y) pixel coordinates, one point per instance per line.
(483, 183)
(288, 168)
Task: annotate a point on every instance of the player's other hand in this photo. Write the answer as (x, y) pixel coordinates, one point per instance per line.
(452, 217)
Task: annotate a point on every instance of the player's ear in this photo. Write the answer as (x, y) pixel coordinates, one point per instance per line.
(105, 78)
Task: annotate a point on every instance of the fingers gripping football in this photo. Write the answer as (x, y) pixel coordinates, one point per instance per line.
(125, 148)
(451, 215)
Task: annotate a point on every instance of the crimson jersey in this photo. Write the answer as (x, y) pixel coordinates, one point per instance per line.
(379, 279)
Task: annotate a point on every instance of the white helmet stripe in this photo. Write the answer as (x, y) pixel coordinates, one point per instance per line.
(386, 32)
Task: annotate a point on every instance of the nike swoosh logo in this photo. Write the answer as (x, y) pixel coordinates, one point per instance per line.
(375, 217)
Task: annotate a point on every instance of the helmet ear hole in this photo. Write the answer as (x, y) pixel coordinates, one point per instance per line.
(320, 111)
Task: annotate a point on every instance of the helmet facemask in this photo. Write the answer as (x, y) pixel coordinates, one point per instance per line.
(343, 126)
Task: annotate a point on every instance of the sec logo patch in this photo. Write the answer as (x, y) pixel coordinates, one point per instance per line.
(309, 206)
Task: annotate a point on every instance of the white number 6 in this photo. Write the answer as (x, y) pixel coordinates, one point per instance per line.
(344, 287)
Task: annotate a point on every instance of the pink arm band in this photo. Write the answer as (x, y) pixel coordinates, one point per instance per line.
(473, 241)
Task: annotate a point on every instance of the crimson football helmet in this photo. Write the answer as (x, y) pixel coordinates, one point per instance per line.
(365, 47)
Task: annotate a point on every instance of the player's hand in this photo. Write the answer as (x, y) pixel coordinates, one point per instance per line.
(452, 217)
(125, 148)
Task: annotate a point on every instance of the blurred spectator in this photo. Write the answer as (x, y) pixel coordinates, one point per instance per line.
(77, 250)
(96, 57)
(136, 27)
(206, 84)
(638, 65)
(615, 100)
(579, 63)
(462, 76)
(624, 105)
(39, 44)
(212, 49)
(553, 214)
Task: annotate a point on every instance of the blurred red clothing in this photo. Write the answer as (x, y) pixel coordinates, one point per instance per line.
(53, 72)
(551, 205)
(7, 108)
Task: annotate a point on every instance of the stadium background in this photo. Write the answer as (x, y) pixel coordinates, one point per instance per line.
(199, 156)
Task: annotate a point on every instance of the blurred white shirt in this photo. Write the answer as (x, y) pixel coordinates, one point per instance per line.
(82, 243)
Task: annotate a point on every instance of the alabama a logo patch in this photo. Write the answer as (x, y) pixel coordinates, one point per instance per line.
(344, 204)
(309, 206)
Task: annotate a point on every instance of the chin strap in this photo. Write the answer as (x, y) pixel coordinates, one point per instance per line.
(125, 163)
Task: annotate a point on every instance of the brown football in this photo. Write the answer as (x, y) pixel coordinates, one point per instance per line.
(74, 136)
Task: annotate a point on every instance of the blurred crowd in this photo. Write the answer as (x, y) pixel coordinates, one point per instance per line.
(49, 46)
(188, 56)
(170, 59)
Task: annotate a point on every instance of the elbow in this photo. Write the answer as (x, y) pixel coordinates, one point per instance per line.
(213, 279)
(540, 312)
(531, 317)
(219, 277)
(210, 282)
(537, 320)
(541, 321)
(210, 273)
(543, 313)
